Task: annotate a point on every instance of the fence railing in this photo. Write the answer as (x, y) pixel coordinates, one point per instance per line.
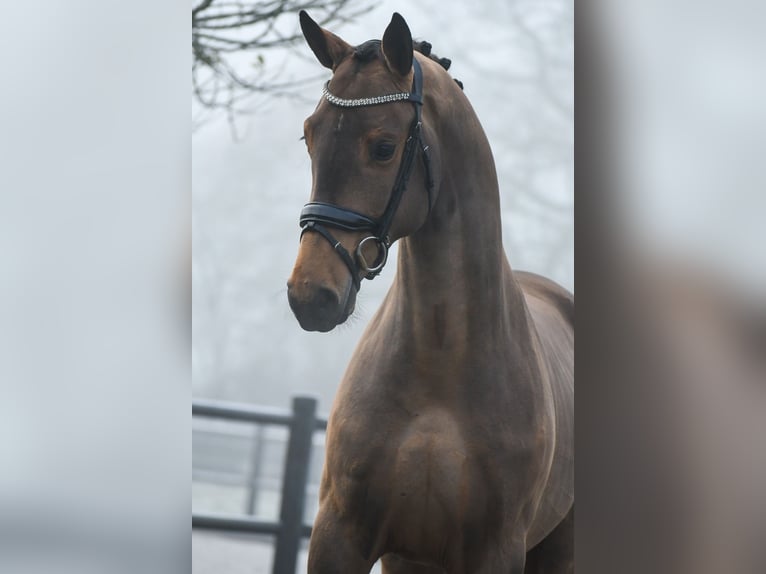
(302, 422)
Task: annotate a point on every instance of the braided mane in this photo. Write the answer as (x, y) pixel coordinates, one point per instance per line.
(370, 50)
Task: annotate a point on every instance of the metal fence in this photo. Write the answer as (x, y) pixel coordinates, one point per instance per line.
(302, 422)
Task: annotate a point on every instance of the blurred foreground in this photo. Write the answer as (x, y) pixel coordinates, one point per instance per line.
(671, 288)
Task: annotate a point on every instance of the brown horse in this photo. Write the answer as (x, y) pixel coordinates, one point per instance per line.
(450, 443)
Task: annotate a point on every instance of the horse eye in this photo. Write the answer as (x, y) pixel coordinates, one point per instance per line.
(383, 151)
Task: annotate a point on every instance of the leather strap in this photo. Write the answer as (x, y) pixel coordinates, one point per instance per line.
(405, 168)
(344, 254)
(335, 216)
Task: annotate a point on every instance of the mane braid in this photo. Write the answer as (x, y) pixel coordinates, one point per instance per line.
(425, 48)
(371, 50)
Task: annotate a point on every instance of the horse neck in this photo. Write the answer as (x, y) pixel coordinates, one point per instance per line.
(453, 276)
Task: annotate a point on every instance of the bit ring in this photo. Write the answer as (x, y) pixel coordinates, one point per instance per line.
(374, 269)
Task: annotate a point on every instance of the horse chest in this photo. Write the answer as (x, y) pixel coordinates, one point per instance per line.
(416, 487)
(424, 453)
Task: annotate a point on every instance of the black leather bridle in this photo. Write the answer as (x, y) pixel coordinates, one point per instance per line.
(318, 216)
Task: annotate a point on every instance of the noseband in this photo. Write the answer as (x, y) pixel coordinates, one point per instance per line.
(318, 216)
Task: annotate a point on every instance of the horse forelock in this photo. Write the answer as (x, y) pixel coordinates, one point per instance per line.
(367, 51)
(371, 50)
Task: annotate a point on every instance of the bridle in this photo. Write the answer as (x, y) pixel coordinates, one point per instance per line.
(318, 216)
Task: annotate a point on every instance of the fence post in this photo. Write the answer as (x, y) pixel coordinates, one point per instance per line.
(254, 476)
(294, 484)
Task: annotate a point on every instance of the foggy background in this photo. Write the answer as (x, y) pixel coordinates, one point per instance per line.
(250, 178)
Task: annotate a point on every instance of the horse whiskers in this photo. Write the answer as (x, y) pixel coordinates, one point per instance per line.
(354, 319)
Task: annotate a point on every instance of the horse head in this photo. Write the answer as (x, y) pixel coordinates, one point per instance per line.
(375, 158)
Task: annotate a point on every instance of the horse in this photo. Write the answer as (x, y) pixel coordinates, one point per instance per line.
(450, 439)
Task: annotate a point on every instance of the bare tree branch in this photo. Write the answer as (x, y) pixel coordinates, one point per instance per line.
(229, 37)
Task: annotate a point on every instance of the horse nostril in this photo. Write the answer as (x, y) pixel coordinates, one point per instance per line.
(324, 298)
(317, 308)
(315, 299)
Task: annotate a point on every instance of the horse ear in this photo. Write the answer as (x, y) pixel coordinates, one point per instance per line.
(327, 47)
(397, 45)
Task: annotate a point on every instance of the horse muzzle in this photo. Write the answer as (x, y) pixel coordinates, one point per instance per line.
(317, 307)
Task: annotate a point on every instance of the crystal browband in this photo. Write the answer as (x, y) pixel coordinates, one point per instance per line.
(357, 103)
